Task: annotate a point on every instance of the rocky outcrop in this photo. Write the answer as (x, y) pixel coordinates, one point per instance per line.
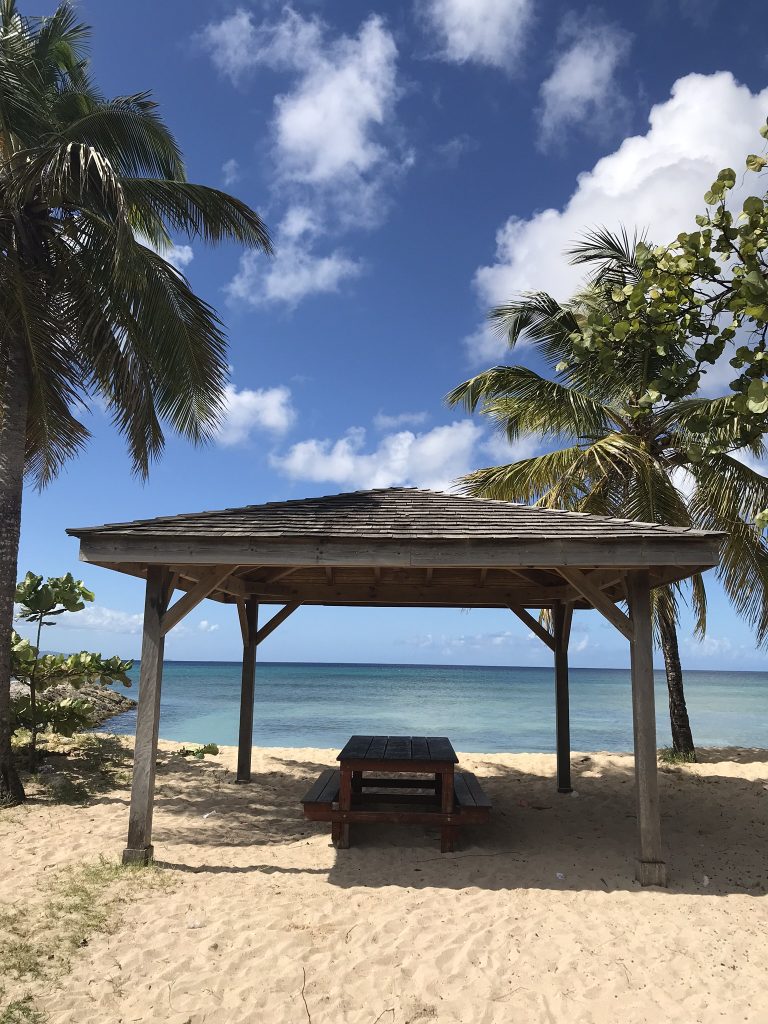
(106, 703)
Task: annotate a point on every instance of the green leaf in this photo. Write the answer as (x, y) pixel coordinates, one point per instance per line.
(755, 162)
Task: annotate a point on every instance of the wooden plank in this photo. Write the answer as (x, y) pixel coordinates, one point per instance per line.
(275, 621)
(376, 748)
(598, 600)
(419, 748)
(319, 785)
(138, 848)
(462, 793)
(387, 782)
(478, 793)
(534, 625)
(330, 792)
(356, 746)
(651, 869)
(546, 552)
(404, 594)
(247, 693)
(207, 583)
(441, 749)
(398, 748)
(243, 618)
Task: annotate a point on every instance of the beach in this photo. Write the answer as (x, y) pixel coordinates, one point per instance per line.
(252, 915)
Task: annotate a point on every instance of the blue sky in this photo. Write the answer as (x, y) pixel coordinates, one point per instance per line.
(417, 161)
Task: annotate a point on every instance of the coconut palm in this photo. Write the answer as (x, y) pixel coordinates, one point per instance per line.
(622, 458)
(92, 190)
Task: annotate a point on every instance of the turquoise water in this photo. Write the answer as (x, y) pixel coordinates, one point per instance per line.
(480, 708)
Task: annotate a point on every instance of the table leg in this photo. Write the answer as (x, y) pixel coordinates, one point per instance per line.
(357, 784)
(448, 832)
(345, 804)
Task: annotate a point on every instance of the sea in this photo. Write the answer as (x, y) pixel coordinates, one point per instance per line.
(482, 709)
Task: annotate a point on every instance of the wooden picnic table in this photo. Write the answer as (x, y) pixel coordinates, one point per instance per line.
(381, 779)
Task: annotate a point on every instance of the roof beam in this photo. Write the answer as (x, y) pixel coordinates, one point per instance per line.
(449, 595)
(207, 583)
(580, 582)
(534, 625)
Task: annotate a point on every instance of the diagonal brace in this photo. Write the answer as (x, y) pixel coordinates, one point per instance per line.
(534, 625)
(207, 583)
(581, 582)
(276, 620)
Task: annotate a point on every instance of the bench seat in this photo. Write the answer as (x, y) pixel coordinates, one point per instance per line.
(471, 804)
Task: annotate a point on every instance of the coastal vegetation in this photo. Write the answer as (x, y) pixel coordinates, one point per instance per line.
(626, 358)
(93, 195)
(38, 704)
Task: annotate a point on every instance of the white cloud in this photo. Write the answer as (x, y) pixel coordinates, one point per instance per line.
(489, 32)
(432, 459)
(98, 618)
(204, 626)
(582, 88)
(230, 171)
(296, 271)
(333, 144)
(383, 421)
(179, 256)
(263, 409)
(231, 43)
(655, 180)
(709, 646)
(501, 452)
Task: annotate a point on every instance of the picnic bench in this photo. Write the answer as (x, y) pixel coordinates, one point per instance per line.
(400, 779)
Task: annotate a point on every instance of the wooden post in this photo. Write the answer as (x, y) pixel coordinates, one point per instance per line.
(249, 625)
(561, 623)
(139, 848)
(651, 869)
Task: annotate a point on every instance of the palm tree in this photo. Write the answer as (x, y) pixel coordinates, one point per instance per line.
(622, 458)
(91, 191)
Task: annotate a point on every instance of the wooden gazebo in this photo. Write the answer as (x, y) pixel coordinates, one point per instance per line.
(401, 547)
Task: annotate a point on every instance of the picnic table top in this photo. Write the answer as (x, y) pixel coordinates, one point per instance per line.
(425, 749)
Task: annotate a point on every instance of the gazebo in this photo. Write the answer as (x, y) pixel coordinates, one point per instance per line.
(401, 547)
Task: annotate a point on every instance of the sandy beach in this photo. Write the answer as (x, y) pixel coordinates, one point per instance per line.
(254, 917)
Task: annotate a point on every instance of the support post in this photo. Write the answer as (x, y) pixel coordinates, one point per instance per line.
(561, 622)
(651, 868)
(139, 848)
(249, 611)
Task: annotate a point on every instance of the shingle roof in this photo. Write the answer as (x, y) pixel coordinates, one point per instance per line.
(387, 513)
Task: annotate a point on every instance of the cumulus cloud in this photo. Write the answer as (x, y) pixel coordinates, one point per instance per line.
(107, 620)
(582, 89)
(334, 148)
(297, 270)
(383, 421)
(490, 32)
(431, 459)
(267, 409)
(204, 626)
(230, 171)
(654, 181)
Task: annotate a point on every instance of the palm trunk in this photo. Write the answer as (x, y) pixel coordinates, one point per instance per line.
(13, 430)
(682, 738)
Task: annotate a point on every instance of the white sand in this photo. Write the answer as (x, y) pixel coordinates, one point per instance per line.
(391, 931)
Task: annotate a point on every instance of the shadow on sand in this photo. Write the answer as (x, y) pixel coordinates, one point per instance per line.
(715, 829)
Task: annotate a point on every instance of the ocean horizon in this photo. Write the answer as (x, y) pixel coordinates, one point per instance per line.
(488, 709)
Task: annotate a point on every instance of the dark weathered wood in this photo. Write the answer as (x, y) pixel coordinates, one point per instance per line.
(247, 693)
(139, 848)
(441, 749)
(561, 621)
(651, 869)
(327, 781)
(475, 790)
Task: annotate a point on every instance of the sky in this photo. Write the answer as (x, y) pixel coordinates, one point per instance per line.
(417, 162)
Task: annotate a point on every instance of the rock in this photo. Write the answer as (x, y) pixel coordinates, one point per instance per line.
(105, 702)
